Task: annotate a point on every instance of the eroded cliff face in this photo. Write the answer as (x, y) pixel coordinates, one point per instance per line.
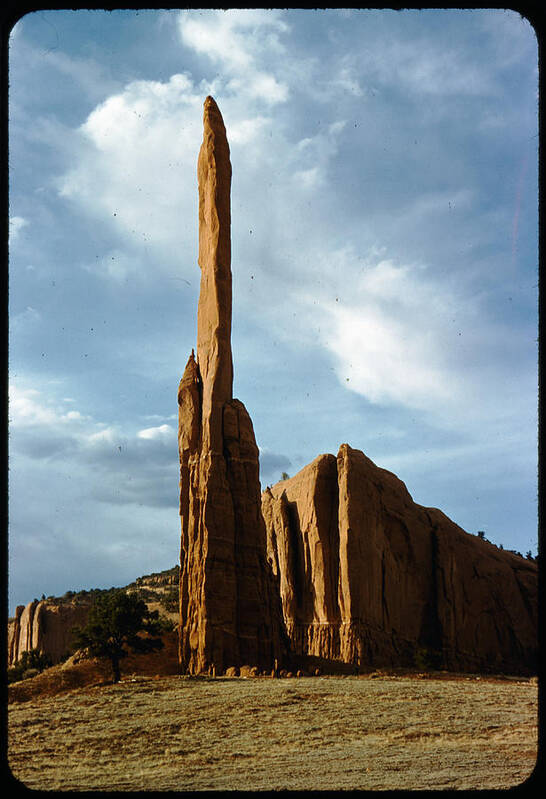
(230, 611)
(46, 626)
(369, 577)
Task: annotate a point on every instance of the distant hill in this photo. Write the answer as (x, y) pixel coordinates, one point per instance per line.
(46, 624)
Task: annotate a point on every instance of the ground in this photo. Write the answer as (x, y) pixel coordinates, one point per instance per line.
(169, 732)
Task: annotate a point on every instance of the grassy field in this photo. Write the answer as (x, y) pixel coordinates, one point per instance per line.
(307, 733)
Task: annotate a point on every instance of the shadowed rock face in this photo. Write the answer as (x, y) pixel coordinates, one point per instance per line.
(369, 577)
(229, 607)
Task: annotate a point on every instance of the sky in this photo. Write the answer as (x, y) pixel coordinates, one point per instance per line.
(384, 259)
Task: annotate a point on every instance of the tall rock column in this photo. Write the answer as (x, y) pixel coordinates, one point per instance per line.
(230, 611)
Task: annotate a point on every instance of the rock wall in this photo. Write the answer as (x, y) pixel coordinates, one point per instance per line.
(230, 612)
(46, 626)
(368, 577)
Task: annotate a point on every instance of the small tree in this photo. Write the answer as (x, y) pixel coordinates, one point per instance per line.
(117, 622)
(285, 476)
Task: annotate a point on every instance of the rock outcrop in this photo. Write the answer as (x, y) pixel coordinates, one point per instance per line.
(370, 578)
(338, 563)
(229, 607)
(46, 626)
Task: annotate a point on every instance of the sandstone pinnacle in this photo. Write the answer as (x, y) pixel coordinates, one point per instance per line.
(214, 310)
(230, 612)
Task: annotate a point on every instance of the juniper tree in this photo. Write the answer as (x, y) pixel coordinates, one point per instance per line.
(119, 622)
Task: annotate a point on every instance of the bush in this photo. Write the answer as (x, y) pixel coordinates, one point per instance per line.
(427, 659)
(166, 625)
(31, 661)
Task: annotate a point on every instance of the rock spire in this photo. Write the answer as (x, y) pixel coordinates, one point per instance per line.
(230, 612)
(214, 309)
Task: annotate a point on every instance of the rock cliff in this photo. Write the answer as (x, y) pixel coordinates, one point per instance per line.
(370, 578)
(46, 626)
(229, 608)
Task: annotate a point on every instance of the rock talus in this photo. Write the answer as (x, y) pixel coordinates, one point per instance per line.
(230, 611)
(369, 577)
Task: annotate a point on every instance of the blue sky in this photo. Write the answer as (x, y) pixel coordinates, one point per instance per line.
(384, 258)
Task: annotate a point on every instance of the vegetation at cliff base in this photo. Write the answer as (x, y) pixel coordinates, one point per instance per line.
(119, 622)
(31, 663)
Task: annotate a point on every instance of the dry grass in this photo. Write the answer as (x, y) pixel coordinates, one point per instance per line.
(314, 733)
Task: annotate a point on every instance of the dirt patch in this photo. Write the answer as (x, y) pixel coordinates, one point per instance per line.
(309, 733)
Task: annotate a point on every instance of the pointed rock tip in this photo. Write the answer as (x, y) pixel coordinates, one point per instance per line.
(191, 360)
(191, 366)
(211, 112)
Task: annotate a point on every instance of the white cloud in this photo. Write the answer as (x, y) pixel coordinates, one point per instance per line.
(404, 335)
(163, 432)
(309, 178)
(16, 224)
(134, 154)
(27, 407)
(239, 40)
(323, 145)
(108, 436)
(246, 130)
(31, 408)
(75, 416)
(385, 360)
(375, 331)
(348, 81)
(265, 87)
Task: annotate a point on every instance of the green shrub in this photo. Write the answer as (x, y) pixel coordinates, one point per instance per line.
(166, 625)
(30, 661)
(427, 659)
(169, 600)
